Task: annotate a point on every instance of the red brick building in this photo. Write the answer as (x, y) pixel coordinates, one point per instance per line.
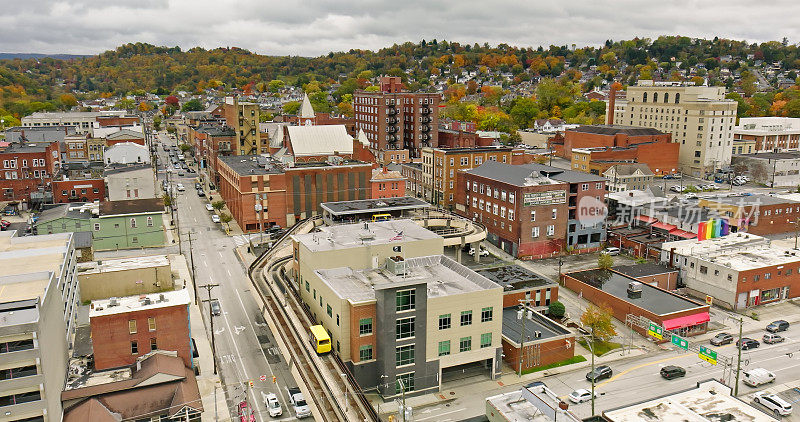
(396, 119)
(27, 167)
(610, 136)
(106, 121)
(387, 184)
(125, 135)
(534, 211)
(126, 328)
(80, 190)
(208, 142)
(77, 147)
(758, 214)
(545, 342)
(660, 157)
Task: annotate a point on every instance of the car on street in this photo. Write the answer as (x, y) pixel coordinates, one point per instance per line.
(180, 187)
(678, 189)
(691, 195)
(198, 186)
(721, 338)
(667, 176)
(201, 193)
(772, 338)
(301, 409)
(776, 326)
(216, 310)
(181, 173)
(215, 218)
(610, 251)
(581, 395)
(599, 372)
(775, 404)
(272, 404)
(209, 207)
(483, 252)
(747, 343)
(671, 371)
(757, 376)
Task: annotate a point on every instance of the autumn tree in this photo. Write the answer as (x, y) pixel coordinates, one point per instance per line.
(171, 100)
(598, 320)
(68, 100)
(291, 107)
(605, 262)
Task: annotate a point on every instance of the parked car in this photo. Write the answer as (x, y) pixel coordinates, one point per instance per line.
(747, 343)
(483, 252)
(757, 376)
(201, 193)
(776, 326)
(777, 405)
(721, 338)
(667, 176)
(600, 372)
(772, 338)
(216, 310)
(691, 195)
(215, 218)
(611, 251)
(198, 186)
(272, 404)
(180, 187)
(677, 188)
(209, 207)
(671, 371)
(581, 395)
(297, 400)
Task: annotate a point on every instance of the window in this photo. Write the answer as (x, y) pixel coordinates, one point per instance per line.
(555, 213)
(511, 198)
(404, 355)
(132, 326)
(510, 214)
(153, 344)
(585, 186)
(466, 318)
(405, 300)
(599, 185)
(486, 340)
(444, 321)
(404, 382)
(465, 344)
(365, 352)
(329, 310)
(444, 348)
(134, 347)
(551, 230)
(364, 326)
(703, 269)
(533, 215)
(535, 232)
(96, 226)
(486, 314)
(404, 328)
(133, 223)
(307, 286)
(151, 324)
(149, 221)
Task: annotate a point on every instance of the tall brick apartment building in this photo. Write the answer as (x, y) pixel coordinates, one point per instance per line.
(243, 118)
(533, 210)
(395, 119)
(26, 167)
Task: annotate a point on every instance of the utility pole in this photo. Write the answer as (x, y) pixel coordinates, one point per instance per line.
(591, 349)
(191, 259)
(525, 303)
(208, 287)
(796, 230)
(738, 360)
(403, 395)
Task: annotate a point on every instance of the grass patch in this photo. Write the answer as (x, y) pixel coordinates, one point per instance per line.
(600, 347)
(570, 361)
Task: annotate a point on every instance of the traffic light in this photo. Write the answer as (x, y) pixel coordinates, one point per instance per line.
(274, 379)
(250, 382)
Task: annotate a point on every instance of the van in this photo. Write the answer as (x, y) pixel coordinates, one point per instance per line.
(757, 376)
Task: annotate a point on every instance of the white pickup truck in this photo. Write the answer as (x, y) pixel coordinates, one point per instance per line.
(297, 400)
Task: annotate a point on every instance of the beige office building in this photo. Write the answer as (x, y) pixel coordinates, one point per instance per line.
(244, 118)
(700, 118)
(398, 311)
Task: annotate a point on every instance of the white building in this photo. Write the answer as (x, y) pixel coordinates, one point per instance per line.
(82, 121)
(766, 134)
(133, 181)
(624, 177)
(127, 153)
(700, 118)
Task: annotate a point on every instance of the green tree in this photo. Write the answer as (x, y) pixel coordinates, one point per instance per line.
(276, 85)
(185, 147)
(157, 122)
(605, 261)
(556, 309)
(597, 319)
(218, 205)
(292, 107)
(167, 200)
(192, 105)
(226, 219)
(125, 104)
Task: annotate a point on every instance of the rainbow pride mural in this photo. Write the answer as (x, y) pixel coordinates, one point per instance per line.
(716, 227)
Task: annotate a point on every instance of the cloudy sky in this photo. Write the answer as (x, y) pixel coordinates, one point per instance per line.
(314, 27)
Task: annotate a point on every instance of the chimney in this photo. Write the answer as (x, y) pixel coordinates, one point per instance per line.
(612, 99)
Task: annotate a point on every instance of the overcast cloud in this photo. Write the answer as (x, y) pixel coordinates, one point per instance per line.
(315, 27)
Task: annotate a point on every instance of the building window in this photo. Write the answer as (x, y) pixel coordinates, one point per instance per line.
(365, 352)
(149, 221)
(153, 344)
(533, 215)
(486, 340)
(404, 382)
(599, 185)
(404, 355)
(486, 314)
(133, 223)
(151, 324)
(534, 232)
(330, 311)
(132, 326)
(511, 214)
(96, 227)
(404, 328)
(465, 344)
(555, 213)
(444, 321)
(364, 326)
(585, 186)
(405, 300)
(134, 347)
(466, 318)
(551, 230)
(444, 348)
(703, 269)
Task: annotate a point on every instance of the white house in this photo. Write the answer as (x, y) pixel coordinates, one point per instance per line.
(127, 153)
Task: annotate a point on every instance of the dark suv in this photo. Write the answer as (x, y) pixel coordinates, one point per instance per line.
(671, 371)
(721, 338)
(779, 325)
(747, 343)
(600, 372)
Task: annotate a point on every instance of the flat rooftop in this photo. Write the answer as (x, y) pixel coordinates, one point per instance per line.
(374, 206)
(744, 201)
(514, 408)
(644, 270)
(125, 304)
(512, 327)
(738, 251)
(250, 165)
(709, 401)
(123, 264)
(442, 275)
(772, 155)
(515, 277)
(360, 234)
(27, 262)
(655, 300)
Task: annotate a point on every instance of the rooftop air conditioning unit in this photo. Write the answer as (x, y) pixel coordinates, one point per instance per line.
(634, 289)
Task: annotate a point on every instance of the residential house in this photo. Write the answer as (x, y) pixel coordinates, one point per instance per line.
(131, 181)
(129, 224)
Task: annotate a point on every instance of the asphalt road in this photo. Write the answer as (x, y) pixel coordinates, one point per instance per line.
(638, 379)
(245, 346)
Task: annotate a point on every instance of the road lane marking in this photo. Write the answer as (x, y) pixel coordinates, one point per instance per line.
(438, 415)
(643, 365)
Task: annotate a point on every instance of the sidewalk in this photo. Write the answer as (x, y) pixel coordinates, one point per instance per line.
(215, 406)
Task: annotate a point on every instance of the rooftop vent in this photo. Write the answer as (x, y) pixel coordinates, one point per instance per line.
(113, 302)
(634, 289)
(396, 265)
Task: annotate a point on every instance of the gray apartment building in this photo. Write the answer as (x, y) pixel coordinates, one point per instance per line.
(37, 312)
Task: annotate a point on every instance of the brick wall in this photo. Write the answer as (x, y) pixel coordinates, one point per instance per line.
(548, 351)
(357, 340)
(513, 298)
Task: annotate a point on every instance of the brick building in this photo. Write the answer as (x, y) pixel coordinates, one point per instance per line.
(545, 341)
(520, 283)
(533, 210)
(661, 158)
(77, 147)
(440, 167)
(766, 134)
(26, 168)
(397, 119)
(78, 190)
(123, 329)
(614, 143)
(243, 118)
(124, 135)
(757, 214)
(387, 184)
(208, 142)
